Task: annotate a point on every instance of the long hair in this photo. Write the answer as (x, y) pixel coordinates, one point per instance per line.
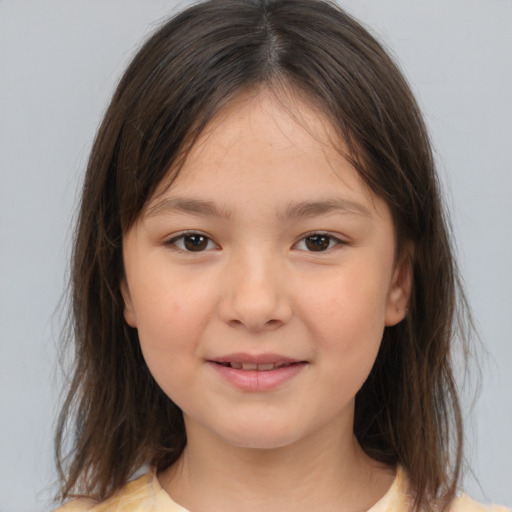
(115, 418)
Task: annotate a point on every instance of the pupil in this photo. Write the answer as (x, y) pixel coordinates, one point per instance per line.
(195, 242)
(317, 242)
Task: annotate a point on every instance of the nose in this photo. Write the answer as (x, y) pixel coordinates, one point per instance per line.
(255, 294)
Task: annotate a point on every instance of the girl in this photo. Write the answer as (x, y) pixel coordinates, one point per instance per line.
(264, 293)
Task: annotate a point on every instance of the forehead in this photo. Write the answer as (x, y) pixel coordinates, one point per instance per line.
(264, 137)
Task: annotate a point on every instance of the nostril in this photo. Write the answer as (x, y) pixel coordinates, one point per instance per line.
(269, 324)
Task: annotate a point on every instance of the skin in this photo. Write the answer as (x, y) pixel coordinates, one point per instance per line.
(260, 180)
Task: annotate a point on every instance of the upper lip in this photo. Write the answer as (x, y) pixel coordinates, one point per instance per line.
(267, 358)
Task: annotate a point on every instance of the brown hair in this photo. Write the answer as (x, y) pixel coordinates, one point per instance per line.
(115, 417)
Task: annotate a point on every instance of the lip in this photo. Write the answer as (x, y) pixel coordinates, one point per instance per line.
(254, 380)
(266, 358)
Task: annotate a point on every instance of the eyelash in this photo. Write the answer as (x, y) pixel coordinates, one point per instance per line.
(332, 241)
(204, 241)
(182, 237)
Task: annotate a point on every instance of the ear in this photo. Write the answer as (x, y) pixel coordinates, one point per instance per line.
(400, 290)
(129, 310)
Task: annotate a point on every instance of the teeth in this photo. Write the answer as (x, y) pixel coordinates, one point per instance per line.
(262, 367)
(266, 367)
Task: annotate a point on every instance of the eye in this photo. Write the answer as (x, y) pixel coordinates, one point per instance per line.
(192, 242)
(318, 242)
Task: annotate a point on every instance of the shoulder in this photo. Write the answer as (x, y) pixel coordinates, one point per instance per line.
(134, 496)
(465, 504)
(399, 498)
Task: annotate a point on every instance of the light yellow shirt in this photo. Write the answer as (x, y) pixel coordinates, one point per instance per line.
(146, 495)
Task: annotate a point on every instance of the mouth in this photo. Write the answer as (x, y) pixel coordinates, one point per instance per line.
(256, 363)
(257, 373)
(260, 367)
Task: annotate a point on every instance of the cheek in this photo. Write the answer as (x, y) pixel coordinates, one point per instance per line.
(350, 305)
(171, 322)
(171, 314)
(346, 315)
(350, 338)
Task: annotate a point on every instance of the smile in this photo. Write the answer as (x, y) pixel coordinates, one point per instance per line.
(261, 367)
(260, 373)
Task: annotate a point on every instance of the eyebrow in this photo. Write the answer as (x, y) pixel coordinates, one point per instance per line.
(295, 210)
(188, 205)
(307, 209)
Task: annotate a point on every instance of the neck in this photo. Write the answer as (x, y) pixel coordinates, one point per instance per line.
(321, 472)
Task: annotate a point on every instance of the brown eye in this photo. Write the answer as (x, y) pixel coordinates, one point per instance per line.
(192, 242)
(195, 243)
(318, 242)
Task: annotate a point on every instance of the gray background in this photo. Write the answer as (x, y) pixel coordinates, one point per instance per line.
(59, 62)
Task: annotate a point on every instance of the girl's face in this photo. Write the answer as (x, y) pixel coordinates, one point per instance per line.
(261, 281)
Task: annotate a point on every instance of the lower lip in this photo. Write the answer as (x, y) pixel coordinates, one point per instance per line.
(254, 380)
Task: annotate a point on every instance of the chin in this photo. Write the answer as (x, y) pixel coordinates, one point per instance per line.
(263, 436)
